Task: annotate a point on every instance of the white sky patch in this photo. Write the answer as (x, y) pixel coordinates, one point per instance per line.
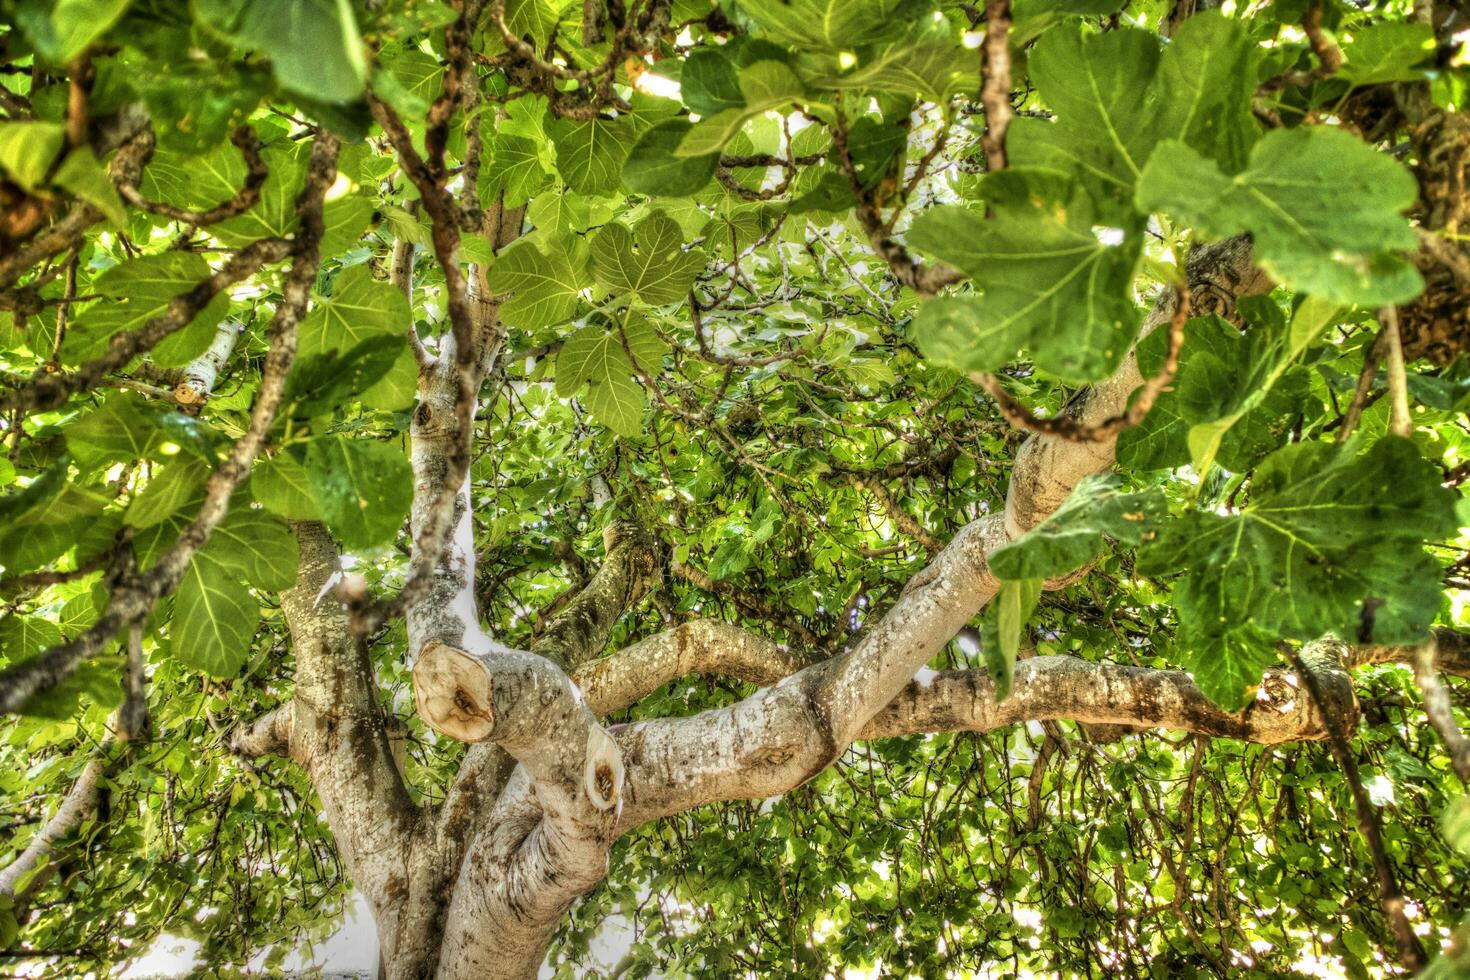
(925, 676)
(650, 84)
(1108, 235)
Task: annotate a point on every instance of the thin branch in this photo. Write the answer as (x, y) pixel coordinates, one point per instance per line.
(1329, 56)
(243, 200)
(995, 85)
(50, 391)
(1441, 712)
(1371, 359)
(1071, 428)
(1411, 953)
(1398, 388)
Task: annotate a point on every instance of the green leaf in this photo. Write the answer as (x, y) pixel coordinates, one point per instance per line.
(1387, 52)
(22, 637)
(51, 528)
(257, 547)
(1072, 537)
(1004, 625)
(653, 169)
(362, 488)
(833, 24)
(215, 616)
(590, 153)
(931, 65)
(274, 215)
(1098, 85)
(647, 264)
(128, 427)
(27, 150)
(1324, 209)
(1052, 280)
(174, 494)
(360, 308)
(763, 85)
(596, 358)
(418, 74)
(1248, 379)
(137, 291)
(545, 286)
(281, 486)
(344, 220)
(1249, 389)
(314, 46)
(710, 82)
(320, 383)
(1330, 542)
(83, 175)
(1116, 96)
(1032, 17)
(62, 29)
(513, 166)
(1226, 667)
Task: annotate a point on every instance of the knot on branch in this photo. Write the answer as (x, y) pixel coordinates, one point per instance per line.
(1284, 695)
(603, 770)
(455, 693)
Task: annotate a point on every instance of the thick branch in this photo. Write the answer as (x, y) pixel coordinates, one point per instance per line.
(629, 569)
(745, 752)
(336, 730)
(703, 646)
(79, 803)
(795, 729)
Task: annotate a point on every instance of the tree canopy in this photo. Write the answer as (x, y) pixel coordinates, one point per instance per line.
(841, 487)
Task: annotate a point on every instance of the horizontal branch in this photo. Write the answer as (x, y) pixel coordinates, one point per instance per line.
(703, 646)
(746, 751)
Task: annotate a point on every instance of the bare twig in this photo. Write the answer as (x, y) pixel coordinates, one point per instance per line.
(995, 85)
(1440, 711)
(1398, 387)
(1411, 953)
(1069, 428)
(1329, 56)
(1371, 359)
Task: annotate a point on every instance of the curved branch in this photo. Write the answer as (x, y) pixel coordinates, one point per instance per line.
(78, 804)
(631, 567)
(744, 751)
(703, 646)
(243, 200)
(790, 732)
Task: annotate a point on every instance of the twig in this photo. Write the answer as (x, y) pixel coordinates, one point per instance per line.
(243, 200)
(995, 85)
(1371, 359)
(1411, 953)
(1329, 56)
(1069, 428)
(1440, 711)
(1398, 387)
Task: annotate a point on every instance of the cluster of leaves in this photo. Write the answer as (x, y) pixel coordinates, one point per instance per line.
(783, 437)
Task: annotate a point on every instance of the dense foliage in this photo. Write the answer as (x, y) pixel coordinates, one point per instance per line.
(786, 286)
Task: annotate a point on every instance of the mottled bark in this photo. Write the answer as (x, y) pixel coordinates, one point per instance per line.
(339, 735)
